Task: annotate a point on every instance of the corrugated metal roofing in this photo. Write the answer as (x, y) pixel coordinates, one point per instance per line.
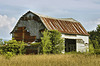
(69, 26)
(63, 25)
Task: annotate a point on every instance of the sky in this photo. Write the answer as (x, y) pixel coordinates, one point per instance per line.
(87, 12)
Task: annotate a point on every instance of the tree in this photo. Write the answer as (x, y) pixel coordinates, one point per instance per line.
(1, 42)
(57, 41)
(46, 42)
(95, 43)
(52, 42)
(95, 39)
(95, 34)
(91, 48)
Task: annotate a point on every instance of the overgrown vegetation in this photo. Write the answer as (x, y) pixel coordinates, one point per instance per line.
(12, 47)
(52, 60)
(52, 42)
(57, 42)
(95, 40)
(1, 42)
(46, 44)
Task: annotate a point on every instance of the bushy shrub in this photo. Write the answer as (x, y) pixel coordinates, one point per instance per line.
(14, 47)
(97, 51)
(9, 55)
(51, 42)
(57, 42)
(96, 48)
(1, 51)
(33, 48)
(91, 48)
(46, 44)
(36, 44)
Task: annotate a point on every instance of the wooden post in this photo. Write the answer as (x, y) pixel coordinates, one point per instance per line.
(23, 34)
(38, 49)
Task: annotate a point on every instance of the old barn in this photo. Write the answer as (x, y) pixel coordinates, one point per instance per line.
(30, 25)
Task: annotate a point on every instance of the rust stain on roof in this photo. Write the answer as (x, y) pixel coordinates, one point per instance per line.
(64, 26)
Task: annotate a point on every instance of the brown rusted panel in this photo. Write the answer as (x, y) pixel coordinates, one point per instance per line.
(21, 28)
(44, 22)
(72, 28)
(85, 32)
(48, 21)
(82, 32)
(64, 26)
(18, 35)
(30, 37)
(68, 26)
(18, 38)
(57, 25)
(60, 25)
(21, 34)
(53, 24)
(18, 31)
(78, 28)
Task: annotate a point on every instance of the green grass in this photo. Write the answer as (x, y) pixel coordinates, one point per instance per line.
(52, 60)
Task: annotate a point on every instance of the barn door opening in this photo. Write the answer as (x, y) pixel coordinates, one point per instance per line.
(70, 45)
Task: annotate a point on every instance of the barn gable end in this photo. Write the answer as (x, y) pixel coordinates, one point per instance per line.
(28, 28)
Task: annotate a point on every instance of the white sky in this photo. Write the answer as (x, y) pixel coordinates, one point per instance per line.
(87, 12)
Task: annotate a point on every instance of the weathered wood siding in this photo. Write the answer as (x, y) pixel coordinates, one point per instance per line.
(28, 28)
(22, 35)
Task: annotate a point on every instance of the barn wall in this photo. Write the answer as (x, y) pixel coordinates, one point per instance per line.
(81, 42)
(21, 34)
(32, 23)
(85, 38)
(83, 46)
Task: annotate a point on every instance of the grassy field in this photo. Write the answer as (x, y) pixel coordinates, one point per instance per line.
(52, 60)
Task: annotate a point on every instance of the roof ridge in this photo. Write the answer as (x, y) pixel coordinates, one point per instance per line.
(64, 19)
(45, 16)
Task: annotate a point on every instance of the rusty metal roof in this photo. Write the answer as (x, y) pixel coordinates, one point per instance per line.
(63, 25)
(69, 26)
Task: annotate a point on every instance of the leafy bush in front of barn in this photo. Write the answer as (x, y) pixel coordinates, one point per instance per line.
(33, 48)
(13, 46)
(57, 42)
(46, 44)
(51, 42)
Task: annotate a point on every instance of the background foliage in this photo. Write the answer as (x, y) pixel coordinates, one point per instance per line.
(95, 39)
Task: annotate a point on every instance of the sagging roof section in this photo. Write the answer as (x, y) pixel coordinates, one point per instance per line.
(69, 26)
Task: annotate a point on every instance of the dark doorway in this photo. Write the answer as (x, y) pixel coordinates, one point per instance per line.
(70, 45)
